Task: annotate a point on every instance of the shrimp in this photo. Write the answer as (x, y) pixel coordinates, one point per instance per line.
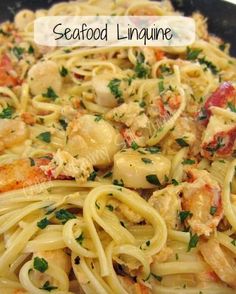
(219, 260)
(12, 132)
(44, 75)
(21, 173)
(6, 67)
(202, 199)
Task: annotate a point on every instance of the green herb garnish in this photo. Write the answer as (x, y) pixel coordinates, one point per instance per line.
(146, 160)
(209, 65)
(64, 215)
(193, 241)
(31, 49)
(7, 112)
(192, 54)
(114, 86)
(188, 161)
(158, 278)
(141, 69)
(110, 207)
(174, 182)
(92, 176)
(63, 123)
(98, 117)
(184, 214)
(213, 210)
(153, 149)
(48, 287)
(231, 106)
(40, 264)
(63, 71)
(161, 86)
(118, 182)
(134, 145)
(43, 223)
(46, 137)
(18, 52)
(80, 239)
(153, 179)
(182, 142)
(50, 94)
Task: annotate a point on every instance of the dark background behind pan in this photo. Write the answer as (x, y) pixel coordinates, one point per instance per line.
(221, 14)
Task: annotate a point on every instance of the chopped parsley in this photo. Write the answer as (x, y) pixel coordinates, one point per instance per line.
(209, 65)
(141, 70)
(46, 137)
(161, 86)
(50, 94)
(6, 34)
(107, 175)
(110, 207)
(96, 204)
(213, 149)
(43, 223)
(64, 215)
(184, 214)
(181, 142)
(80, 239)
(31, 49)
(233, 242)
(193, 241)
(146, 160)
(153, 149)
(176, 256)
(142, 103)
(48, 287)
(222, 46)
(231, 106)
(118, 182)
(18, 52)
(7, 112)
(92, 176)
(188, 161)
(174, 182)
(98, 117)
(122, 223)
(192, 54)
(166, 69)
(148, 243)
(153, 179)
(63, 123)
(32, 162)
(63, 71)
(158, 278)
(213, 210)
(114, 86)
(134, 145)
(203, 114)
(77, 260)
(40, 264)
